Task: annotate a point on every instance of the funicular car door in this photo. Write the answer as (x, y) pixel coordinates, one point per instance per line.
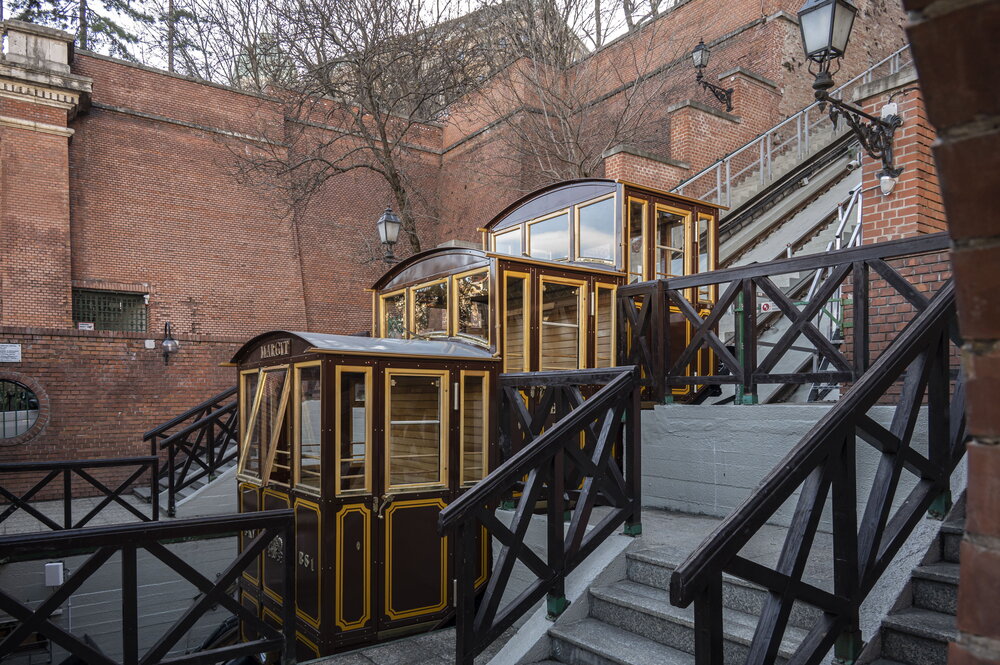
(412, 486)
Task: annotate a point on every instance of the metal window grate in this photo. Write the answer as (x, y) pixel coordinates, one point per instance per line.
(109, 310)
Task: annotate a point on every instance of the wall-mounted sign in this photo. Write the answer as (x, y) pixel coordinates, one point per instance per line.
(10, 353)
(83, 325)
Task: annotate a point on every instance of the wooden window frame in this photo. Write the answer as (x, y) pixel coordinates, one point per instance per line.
(383, 327)
(568, 212)
(338, 430)
(444, 428)
(598, 286)
(297, 429)
(582, 310)
(713, 250)
(526, 343)
(511, 229)
(627, 239)
(576, 255)
(453, 306)
(267, 465)
(688, 246)
(461, 428)
(244, 416)
(411, 308)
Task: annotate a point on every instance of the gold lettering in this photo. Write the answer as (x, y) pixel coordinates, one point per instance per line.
(279, 348)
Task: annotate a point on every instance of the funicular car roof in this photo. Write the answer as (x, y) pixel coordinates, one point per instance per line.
(377, 346)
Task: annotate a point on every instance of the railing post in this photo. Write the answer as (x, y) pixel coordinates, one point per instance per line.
(154, 484)
(845, 544)
(939, 420)
(718, 183)
(288, 620)
(746, 392)
(859, 308)
(805, 133)
(729, 184)
(556, 601)
(130, 606)
(465, 601)
(708, 623)
(633, 458)
(67, 499)
(171, 470)
(760, 163)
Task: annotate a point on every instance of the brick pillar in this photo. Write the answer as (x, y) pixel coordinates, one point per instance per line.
(642, 168)
(914, 206)
(697, 131)
(39, 97)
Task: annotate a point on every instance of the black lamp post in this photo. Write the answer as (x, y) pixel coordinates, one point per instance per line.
(169, 345)
(700, 55)
(388, 232)
(826, 28)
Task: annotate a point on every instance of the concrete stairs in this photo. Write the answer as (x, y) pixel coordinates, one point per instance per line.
(918, 631)
(193, 490)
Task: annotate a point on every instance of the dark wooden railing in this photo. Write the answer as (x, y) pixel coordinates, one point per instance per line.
(81, 469)
(588, 455)
(128, 540)
(643, 330)
(823, 464)
(198, 443)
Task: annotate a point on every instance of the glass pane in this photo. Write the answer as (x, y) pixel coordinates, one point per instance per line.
(508, 242)
(474, 305)
(394, 308)
(353, 454)
(18, 409)
(605, 330)
(250, 382)
(597, 230)
(514, 326)
(560, 326)
(430, 309)
(550, 239)
(268, 416)
(415, 430)
(669, 244)
(309, 427)
(636, 213)
(704, 247)
(473, 428)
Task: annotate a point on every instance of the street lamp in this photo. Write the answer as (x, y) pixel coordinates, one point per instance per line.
(826, 28)
(170, 345)
(388, 232)
(700, 55)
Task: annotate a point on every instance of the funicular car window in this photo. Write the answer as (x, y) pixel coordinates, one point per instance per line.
(604, 325)
(415, 429)
(549, 238)
(430, 309)
(308, 429)
(670, 231)
(560, 318)
(636, 240)
(266, 431)
(394, 315)
(508, 242)
(705, 249)
(354, 429)
(475, 409)
(515, 331)
(596, 231)
(473, 305)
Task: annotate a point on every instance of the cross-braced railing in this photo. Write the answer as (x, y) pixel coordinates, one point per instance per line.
(865, 537)
(842, 290)
(60, 476)
(587, 455)
(198, 443)
(128, 541)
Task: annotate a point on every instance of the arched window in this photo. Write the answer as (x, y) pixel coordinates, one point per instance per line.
(23, 408)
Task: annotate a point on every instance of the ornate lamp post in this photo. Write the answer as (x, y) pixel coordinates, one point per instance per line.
(826, 27)
(700, 55)
(388, 226)
(169, 345)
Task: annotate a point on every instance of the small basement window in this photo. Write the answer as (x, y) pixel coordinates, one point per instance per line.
(109, 310)
(18, 409)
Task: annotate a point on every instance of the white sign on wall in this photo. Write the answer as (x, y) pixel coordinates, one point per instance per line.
(10, 353)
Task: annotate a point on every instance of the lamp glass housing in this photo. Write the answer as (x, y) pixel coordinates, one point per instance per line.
(826, 27)
(388, 227)
(170, 346)
(700, 55)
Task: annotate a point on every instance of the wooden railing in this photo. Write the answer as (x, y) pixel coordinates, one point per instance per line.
(643, 329)
(198, 443)
(66, 471)
(823, 464)
(589, 454)
(128, 540)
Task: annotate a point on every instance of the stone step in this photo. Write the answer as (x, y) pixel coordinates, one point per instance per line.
(935, 587)
(951, 540)
(653, 569)
(592, 642)
(917, 636)
(647, 612)
(886, 661)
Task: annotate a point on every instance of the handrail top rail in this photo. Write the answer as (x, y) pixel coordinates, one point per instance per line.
(74, 464)
(103, 536)
(565, 377)
(198, 424)
(890, 249)
(760, 137)
(728, 539)
(176, 420)
(544, 444)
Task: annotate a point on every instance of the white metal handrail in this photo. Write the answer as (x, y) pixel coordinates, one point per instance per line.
(800, 134)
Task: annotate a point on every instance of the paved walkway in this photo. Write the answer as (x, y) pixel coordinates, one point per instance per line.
(435, 648)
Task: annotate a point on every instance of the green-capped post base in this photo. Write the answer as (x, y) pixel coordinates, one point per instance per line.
(847, 648)
(555, 605)
(508, 504)
(941, 506)
(633, 529)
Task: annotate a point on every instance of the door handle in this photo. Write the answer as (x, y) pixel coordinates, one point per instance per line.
(379, 506)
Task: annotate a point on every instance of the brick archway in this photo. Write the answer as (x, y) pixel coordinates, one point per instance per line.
(44, 407)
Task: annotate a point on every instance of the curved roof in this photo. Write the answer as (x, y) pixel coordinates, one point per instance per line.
(375, 346)
(551, 198)
(440, 260)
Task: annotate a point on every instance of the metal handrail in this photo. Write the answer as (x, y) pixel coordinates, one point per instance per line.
(190, 413)
(770, 143)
